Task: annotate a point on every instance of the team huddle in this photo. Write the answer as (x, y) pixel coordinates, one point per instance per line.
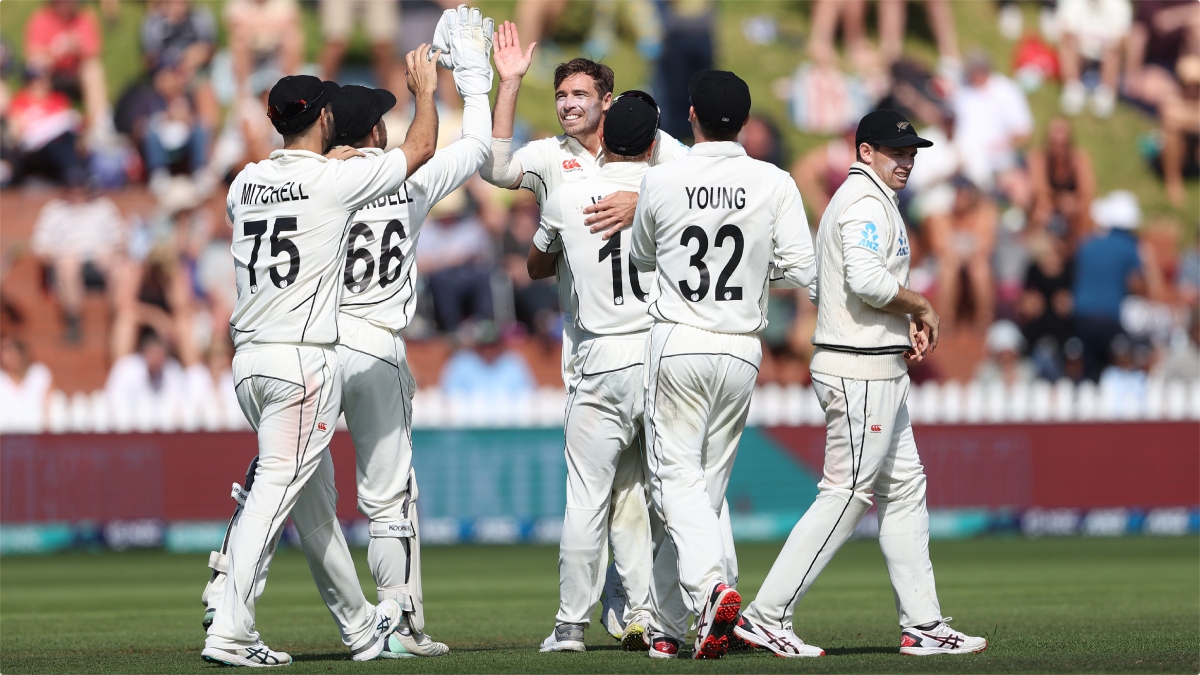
(663, 256)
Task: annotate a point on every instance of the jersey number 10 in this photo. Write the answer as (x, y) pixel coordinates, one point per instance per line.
(613, 249)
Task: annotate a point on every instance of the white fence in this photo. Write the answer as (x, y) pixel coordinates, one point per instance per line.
(929, 403)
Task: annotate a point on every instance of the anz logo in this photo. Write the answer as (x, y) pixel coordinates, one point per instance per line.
(903, 243)
(870, 238)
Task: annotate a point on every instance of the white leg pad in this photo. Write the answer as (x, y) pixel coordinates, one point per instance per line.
(218, 562)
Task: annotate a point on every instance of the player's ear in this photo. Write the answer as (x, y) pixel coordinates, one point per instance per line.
(607, 100)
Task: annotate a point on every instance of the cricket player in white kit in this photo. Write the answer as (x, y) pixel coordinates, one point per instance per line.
(717, 226)
(868, 324)
(583, 91)
(287, 374)
(607, 299)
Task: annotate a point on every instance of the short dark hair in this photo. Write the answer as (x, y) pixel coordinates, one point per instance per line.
(362, 142)
(858, 150)
(288, 139)
(718, 134)
(601, 74)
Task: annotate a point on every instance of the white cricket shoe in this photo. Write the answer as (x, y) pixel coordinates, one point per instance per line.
(941, 639)
(719, 613)
(406, 642)
(663, 646)
(567, 637)
(781, 642)
(612, 605)
(387, 617)
(257, 656)
(636, 637)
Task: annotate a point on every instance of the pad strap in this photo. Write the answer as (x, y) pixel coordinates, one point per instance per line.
(396, 529)
(239, 495)
(218, 562)
(399, 594)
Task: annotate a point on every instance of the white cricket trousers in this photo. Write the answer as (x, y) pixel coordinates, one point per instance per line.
(377, 393)
(290, 394)
(606, 493)
(869, 447)
(698, 392)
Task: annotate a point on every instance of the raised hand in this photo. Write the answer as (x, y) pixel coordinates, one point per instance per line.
(421, 76)
(511, 62)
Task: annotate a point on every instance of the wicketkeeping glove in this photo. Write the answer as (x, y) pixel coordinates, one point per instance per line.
(465, 37)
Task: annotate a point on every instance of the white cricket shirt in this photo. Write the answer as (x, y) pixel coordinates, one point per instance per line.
(380, 272)
(290, 214)
(718, 225)
(599, 287)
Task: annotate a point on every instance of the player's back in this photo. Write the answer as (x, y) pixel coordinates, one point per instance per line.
(713, 214)
(602, 289)
(289, 215)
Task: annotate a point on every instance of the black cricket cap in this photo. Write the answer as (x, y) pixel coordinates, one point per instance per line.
(357, 110)
(721, 99)
(629, 126)
(889, 129)
(296, 101)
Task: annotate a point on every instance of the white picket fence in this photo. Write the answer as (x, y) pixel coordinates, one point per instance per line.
(773, 405)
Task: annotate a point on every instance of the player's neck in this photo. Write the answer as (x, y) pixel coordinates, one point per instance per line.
(590, 142)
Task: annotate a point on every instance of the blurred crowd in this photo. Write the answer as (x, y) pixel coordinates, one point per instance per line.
(1009, 234)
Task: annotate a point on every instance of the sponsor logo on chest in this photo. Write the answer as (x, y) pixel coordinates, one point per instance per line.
(570, 165)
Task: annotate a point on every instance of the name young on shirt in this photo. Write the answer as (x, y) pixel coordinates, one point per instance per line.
(253, 193)
(716, 197)
(394, 199)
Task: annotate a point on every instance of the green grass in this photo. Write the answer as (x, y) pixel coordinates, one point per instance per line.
(1049, 605)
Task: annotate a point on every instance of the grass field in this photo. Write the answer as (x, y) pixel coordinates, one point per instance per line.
(1049, 605)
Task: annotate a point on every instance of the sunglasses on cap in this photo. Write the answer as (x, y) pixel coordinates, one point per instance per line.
(293, 108)
(642, 96)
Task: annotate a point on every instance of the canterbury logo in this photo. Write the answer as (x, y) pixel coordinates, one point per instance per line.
(321, 426)
(901, 125)
(571, 165)
(876, 428)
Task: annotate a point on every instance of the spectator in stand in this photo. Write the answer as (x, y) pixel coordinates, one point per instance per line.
(826, 15)
(992, 121)
(380, 19)
(963, 242)
(175, 32)
(248, 135)
(1181, 130)
(1063, 184)
(455, 255)
(1181, 362)
(263, 35)
(155, 295)
(211, 382)
(148, 376)
(1107, 267)
(643, 20)
(79, 239)
(24, 388)
(1093, 31)
(1011, 22)
(1123, 382)
(1004, 364)
(821, 171)
(484, 366)
(687, 46)
(176, 139)
(535, 303)
(761, 140)
(45, 127)
(892, 17)
(1163, 31)
(1044, 308)
(63, 39)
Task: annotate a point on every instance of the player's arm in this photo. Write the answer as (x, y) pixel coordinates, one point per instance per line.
(794, 263)
(421, 77)
(615, 212)
(547, 241)
(501, 169)
(643, 252)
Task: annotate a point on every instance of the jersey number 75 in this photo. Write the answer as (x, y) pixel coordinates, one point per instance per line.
(257, 228)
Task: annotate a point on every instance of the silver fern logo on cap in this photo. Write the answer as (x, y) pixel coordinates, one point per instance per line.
(901, 125)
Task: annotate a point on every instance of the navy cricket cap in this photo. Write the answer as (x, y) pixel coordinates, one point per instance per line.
(889, 129)
(296, 101)
(720, 98)
(629, 126)
(358, 109)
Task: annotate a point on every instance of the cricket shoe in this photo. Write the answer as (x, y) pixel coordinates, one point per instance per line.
(256, 656)
(612, 605)
(567, 637)
(941, 639)
(636, 637)
(716, 617)
(780, 642)
(387, 617)
(209, 615)
(663, 646)
(406, 643)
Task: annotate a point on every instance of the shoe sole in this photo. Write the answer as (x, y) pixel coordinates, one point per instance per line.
(564, 647)
(224, 658)
(634, 639)
(935, 651)
(716, 643)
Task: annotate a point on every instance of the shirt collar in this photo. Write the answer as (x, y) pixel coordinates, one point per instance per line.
(297, 154)
(372, 151)
(870, 173)
(575, 146)
(620, 170)
(718, 149)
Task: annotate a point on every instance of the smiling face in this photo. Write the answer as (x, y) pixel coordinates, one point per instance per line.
(892, 165)
(579, 105)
